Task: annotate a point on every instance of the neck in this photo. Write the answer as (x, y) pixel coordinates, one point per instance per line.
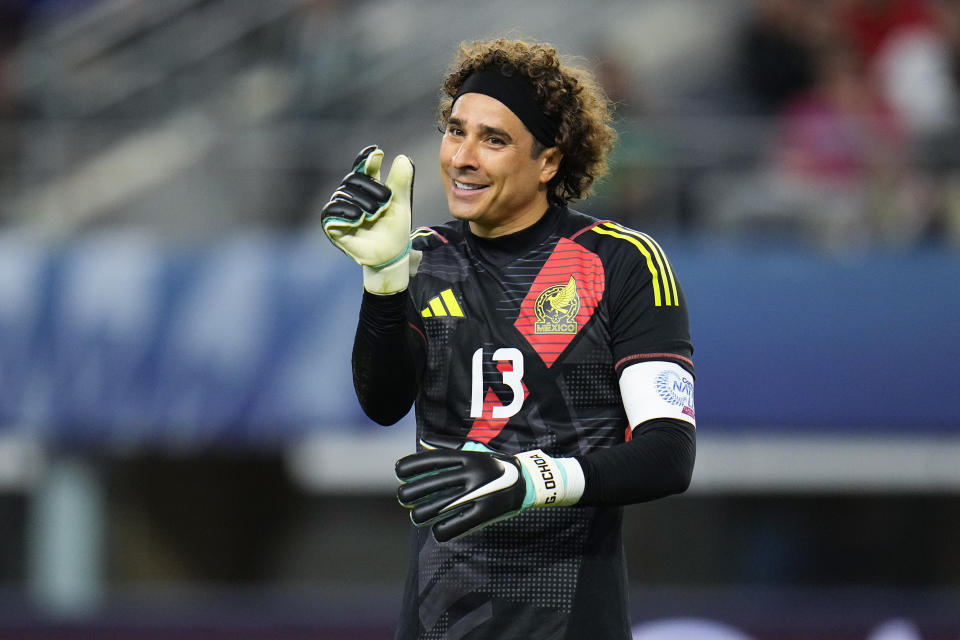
(529, 217)
(503, 249)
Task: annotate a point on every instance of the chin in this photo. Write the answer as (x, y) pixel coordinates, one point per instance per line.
(463, 213)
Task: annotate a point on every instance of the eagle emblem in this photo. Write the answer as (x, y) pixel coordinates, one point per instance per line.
(557, 307)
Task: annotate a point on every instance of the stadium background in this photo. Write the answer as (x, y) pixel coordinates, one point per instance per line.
(181, 454)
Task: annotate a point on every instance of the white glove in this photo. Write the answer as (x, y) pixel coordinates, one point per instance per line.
(370, 221)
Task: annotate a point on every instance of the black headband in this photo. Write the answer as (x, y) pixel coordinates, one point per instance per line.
(518, 95)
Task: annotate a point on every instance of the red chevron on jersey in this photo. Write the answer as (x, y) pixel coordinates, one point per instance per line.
(486, 427)
(561, 300)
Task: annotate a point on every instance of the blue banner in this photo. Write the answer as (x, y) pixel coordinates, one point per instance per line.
(789, 340)
(115, 339)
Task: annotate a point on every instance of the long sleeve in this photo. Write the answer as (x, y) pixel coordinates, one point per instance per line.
(657, 462)
(388, 358)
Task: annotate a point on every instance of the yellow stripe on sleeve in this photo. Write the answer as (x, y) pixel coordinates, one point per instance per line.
(646, 254)
(653, 250)
(669, 280)
(669, 269)
(421, 232)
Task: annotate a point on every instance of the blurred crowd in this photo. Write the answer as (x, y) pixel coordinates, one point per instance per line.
(16, 19)
(862, 101)
(867, 97)
(837, 122)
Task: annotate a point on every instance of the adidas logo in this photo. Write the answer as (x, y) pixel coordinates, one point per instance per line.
(443, 305)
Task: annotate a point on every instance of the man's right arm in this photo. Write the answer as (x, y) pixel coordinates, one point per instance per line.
(369, 220)
(389, 357)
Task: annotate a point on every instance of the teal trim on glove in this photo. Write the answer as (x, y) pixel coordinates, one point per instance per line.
(370, 220)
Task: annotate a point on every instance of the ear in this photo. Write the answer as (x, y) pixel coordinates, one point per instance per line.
(550, 159)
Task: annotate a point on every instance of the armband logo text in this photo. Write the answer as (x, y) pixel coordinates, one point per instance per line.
(676, 390)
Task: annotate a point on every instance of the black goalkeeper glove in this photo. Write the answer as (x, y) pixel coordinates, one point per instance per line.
(370, 220)
(459, 490)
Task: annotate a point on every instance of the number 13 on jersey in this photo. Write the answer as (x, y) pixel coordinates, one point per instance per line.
(510, 365)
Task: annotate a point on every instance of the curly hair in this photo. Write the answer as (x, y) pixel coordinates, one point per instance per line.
(568, 94)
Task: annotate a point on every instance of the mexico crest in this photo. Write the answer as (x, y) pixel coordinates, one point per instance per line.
(556, 309)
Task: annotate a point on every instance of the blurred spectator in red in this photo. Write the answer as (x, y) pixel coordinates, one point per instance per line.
(912, 50)
(870, 23)
(846, 155)
(840, 129)
(905, 49)
(842, 170)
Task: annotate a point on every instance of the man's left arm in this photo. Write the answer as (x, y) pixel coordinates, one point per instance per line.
(657, 462)
(653, 352)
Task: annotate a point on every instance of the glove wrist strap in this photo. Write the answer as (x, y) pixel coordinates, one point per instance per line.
(573, 479)
(392, 278)
(556, 482)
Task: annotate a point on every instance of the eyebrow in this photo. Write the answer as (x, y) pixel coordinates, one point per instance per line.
(485, 130)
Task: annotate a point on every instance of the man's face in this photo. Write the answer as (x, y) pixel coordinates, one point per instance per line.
(488, 174)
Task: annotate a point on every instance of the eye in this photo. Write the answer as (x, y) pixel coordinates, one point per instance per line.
(454, 130)
(495, 141)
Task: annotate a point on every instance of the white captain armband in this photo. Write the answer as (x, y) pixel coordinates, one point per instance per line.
(657, 389)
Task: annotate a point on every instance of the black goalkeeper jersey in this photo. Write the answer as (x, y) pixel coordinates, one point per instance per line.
(525, 338)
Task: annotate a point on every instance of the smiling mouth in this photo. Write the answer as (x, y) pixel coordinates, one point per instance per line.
(467, 186)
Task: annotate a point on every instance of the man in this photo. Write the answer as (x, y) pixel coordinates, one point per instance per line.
(547, 351)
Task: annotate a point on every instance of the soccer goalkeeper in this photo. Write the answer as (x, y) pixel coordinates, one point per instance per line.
(547, 352)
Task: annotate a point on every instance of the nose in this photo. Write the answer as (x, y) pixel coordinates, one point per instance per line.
(465, 156)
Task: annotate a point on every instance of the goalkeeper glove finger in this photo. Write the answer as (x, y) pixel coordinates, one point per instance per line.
(369, 220)
(459, 490)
